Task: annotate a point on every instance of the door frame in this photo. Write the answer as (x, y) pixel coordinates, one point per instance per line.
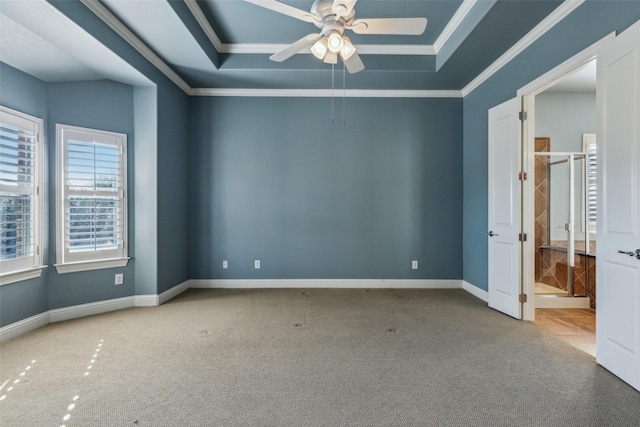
(527, 94)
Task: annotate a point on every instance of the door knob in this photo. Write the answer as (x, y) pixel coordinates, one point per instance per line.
(491, 234)
(635, 254)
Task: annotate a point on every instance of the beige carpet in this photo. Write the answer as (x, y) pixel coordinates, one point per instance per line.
(303, 358)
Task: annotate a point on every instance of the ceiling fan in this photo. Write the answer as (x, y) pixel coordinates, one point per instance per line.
(333, 17)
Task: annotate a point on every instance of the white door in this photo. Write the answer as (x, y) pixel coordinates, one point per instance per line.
(618, 221)
(504, 208)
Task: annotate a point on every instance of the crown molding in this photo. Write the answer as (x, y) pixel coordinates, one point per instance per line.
(123, 31)
(398, 49)
(202, 20)
(549, 22)
(326, 93)
(453, 24)
(363, 49)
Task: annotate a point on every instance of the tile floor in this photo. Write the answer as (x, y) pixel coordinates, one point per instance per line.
(576, 326)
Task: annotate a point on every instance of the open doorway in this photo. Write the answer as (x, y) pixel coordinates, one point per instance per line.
(563, 208)
(618, 206)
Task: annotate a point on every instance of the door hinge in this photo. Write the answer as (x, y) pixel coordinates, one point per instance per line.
(522, 237)
(522, 298)
(522, 176)
(522, 115)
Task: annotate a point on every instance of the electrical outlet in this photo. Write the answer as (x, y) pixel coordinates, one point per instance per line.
(119, 279)
(414, 265)
(225, 264)
(256, 264)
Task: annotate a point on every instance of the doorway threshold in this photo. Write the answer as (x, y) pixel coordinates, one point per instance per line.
(556, 301)
(576, 327)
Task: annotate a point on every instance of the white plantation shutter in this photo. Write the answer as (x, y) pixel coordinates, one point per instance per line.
(589, 147)
(20, 160)
(93, 204)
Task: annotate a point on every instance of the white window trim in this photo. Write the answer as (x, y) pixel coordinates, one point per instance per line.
(73, 267)
(32, 267)
(95, 262)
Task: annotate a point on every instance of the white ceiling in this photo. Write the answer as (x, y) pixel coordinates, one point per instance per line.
(39, 40)
(582, 80)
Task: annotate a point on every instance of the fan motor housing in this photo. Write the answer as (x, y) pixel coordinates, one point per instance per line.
(323, 9)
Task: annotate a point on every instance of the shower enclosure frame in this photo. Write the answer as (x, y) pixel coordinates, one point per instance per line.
(570, 225)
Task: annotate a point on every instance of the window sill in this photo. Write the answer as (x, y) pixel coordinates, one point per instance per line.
(19, 276)
(73, 267)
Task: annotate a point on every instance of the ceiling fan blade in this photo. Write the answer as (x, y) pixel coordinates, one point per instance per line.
(343, 7)
(401, 26)
(354, 63)
(285, 9)
(296, 47)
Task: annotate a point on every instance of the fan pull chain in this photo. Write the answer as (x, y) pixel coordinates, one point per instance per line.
(344, 95)
(332, 88)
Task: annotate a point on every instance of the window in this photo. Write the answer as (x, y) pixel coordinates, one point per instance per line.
(589, 147)
(92, 208)
(20, 199)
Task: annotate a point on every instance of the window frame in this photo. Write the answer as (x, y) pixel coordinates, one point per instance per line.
(68, 261)
(28, 267)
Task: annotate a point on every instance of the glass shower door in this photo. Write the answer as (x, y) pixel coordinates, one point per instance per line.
(562, 230)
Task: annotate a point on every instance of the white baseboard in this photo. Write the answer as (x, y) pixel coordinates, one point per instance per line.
(83, 310)
(475, 291)
(155, 300)
(170, 294)
(146, 300)
(23, 326)
(561, 302)
(325, 283)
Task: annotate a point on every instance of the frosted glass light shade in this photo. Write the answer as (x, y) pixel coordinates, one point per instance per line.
(331, 58)
(348, 49)
(335, 42)
(319, 48)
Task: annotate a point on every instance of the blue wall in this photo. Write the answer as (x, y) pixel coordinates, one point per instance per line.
(273, 179)
(102, 105)
(564, 117)
(589, 23)
(172, 208)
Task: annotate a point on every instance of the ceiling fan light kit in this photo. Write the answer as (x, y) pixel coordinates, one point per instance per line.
(335, 42)
(348, 50)
(333, 17)
(320, 48)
